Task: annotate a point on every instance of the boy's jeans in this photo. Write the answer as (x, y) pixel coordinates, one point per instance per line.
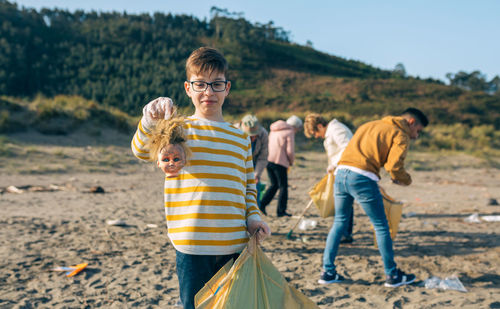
(349, 186)
(194, 271)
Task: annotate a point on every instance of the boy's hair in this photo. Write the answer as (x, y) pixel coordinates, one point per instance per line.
(167, 132)
(205, 59)
(417, 114)
(311, 124)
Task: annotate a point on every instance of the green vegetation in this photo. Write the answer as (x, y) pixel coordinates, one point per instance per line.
(63, 71)
(60, 115)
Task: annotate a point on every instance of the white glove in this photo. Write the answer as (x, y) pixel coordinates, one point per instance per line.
(159, 108)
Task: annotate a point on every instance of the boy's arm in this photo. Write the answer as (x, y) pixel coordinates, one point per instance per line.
(254, 221)
(160, 108)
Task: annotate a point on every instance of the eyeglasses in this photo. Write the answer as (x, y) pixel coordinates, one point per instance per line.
(201, 86)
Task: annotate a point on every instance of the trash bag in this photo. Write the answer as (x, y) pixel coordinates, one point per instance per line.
(251, 282)
(393, 211)
(322, 196)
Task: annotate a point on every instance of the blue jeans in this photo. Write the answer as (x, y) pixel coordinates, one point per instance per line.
(194, 271)
(349, 186)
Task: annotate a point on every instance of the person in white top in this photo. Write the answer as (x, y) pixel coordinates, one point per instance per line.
(336, 136)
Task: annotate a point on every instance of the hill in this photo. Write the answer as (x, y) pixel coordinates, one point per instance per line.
(123, 61)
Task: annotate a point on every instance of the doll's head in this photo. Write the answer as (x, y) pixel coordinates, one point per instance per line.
(167, 146)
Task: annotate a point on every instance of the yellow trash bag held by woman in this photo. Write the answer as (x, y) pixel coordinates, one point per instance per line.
(322, 196)
(251, 283)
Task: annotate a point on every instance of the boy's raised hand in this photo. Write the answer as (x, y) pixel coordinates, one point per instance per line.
(159, 108)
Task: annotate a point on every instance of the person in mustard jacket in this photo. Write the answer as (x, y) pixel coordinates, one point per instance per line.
(376, 144)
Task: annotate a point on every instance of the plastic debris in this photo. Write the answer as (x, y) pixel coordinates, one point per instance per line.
(14, 189)
(151, 226)
(491, 218)
(448, 283)
(116, 222)
(474, 218)
(409, 214)
(72, 270)
(307, 224)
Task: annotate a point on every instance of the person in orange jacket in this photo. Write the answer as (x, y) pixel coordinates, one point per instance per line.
(376, 144)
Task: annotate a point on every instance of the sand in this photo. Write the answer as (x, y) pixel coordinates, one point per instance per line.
(134, 265)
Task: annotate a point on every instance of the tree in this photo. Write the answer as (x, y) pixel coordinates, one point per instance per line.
(475, 81)
(399, 70)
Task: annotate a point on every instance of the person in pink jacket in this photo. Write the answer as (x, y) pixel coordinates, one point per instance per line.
(280, 158)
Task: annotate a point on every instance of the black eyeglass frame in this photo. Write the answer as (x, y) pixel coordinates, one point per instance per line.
(208, 84)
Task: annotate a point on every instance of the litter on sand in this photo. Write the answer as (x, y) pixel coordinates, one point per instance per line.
(71, 270)
(448, 283)
(116, 222)
(491, 218)
(475, 218)
(307, 224)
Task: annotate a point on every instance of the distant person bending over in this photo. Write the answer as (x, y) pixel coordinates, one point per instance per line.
(280, 158)
(210, 205)
(259, 138)
(336, 137)
(375, 144)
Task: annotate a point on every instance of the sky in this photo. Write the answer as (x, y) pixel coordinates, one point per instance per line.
(429, 37)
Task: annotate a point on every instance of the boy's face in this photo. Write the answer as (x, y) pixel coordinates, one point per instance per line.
(171, 159)
(208, 103)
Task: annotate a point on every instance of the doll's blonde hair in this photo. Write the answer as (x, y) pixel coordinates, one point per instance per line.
(167, 132)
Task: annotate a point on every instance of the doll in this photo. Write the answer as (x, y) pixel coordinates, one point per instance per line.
(167, 145)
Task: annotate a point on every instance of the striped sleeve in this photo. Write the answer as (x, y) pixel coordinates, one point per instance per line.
(138, 141)
(253, 211)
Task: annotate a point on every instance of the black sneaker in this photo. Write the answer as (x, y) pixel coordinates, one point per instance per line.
(330, 277)
(399, 279)
(284, 214)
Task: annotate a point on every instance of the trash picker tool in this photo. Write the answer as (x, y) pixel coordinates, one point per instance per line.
(289, 235)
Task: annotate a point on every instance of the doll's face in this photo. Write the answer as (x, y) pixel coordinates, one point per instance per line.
(172, 159)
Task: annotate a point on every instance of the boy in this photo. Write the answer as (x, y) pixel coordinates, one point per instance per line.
(375, 144)
(211, 204)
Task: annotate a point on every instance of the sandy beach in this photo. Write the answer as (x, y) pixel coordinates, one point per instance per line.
(55, 220)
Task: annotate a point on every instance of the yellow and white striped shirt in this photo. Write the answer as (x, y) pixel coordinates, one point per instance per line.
(208, 204)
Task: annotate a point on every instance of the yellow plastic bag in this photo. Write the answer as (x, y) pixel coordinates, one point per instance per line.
(251, 283)
(322, 196)
(393, 211)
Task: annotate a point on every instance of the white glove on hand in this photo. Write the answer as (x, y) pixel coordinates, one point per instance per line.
(159, 108)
